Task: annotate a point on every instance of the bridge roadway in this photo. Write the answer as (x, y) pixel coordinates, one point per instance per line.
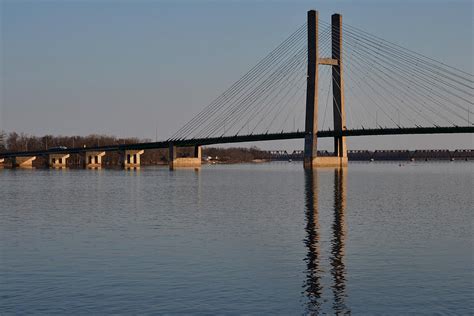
(247, 138)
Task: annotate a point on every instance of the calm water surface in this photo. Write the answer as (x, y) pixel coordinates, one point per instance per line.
(238, 239)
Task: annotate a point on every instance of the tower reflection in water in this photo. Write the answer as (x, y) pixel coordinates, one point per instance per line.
(313, 287)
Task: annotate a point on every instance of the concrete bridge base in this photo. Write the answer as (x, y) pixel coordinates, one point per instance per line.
(131, 158)
(184, 162)
(321, 162)
(93, 159)
(58, 161)
(2, 161)
(22, 162)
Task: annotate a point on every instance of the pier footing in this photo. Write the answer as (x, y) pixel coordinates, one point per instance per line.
(93, 159)
(131, 158)
(58, 161)
(22, 162)
(321, 162)
(184, 162)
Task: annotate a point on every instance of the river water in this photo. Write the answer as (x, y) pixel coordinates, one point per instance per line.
(375, 238)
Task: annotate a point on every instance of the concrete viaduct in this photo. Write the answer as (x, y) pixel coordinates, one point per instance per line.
(130, 154)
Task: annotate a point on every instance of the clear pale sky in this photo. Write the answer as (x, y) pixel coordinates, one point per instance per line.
(125, 68)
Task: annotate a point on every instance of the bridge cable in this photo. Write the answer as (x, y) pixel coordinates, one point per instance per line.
(231, 106)
(401, 48)
(355, 45)
(409, 70)
(247, 100)
(375, 64)
(280, 105)
(364, 58)
(324, 43)
(237, 87)
(420, 74)
(255, 71)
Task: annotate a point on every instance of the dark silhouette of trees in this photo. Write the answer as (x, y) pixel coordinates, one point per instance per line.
(2, 141)
(237, 154)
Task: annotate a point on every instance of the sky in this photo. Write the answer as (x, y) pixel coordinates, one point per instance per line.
(137, 68)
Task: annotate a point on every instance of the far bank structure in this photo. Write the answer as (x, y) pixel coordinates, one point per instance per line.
(130, 159)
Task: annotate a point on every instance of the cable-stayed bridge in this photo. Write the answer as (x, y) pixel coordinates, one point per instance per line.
(327, 79)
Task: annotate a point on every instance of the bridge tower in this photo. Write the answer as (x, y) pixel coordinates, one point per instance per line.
(311, 159)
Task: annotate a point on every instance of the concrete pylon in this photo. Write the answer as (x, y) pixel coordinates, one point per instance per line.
(131, 158)
(23, 162)
(184, 162)
(311, 159)
(93, 159)
(311, 122)
(339, 109)
(57, 160)
(2, 161)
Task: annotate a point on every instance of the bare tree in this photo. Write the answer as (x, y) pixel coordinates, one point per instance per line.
(2, 140)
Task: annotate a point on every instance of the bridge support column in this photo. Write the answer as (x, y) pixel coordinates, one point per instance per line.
(23, 162)
(339, 110)
(311, 159)
(198, 153)
(184, 162)
(311, 122)
(131, 158)
(57, 160)
(93, 159)
(2, 161)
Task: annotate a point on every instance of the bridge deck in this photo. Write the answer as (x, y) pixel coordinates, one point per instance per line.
(249, 138)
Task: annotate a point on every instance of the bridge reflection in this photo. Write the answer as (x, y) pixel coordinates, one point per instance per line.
(313, 287)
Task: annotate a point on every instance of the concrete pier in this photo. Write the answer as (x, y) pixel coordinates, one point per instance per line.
(339, 109)
(131, 158)
(184, 162)
(330, 161)
(2, 160)
(57, 160)
(93, 159)
(311, 121)
(22, 162)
